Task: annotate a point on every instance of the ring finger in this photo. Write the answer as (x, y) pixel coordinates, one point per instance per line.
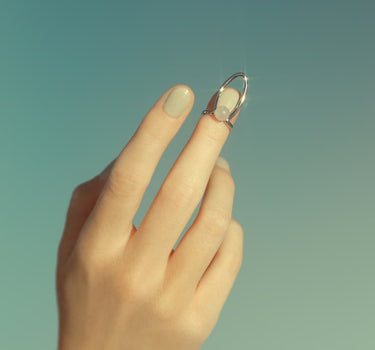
(200, 243)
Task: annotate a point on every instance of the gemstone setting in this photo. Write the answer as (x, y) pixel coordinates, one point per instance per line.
(222, 113)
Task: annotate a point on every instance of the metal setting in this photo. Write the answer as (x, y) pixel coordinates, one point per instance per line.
(240, 101)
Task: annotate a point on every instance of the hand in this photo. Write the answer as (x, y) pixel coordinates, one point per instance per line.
(119, 287)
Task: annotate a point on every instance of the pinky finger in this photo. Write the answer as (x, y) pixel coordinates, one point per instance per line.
(216, 283)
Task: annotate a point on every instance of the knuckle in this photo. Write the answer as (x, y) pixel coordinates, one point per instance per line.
(236, 226)
(196, 327)
(78, 191)
(210, 131)
(239, 232)
(225, 179)
(134, 292)
(138, 286)
(150, 134)
(86, 260)
(239, 260)
(171, 301)
(81, 267)
(164, 308)
(179, 192)
(82, 189)
(124, 183)
(228, 181)
(215, 221)
(214, 136)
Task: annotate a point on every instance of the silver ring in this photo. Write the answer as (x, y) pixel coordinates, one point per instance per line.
(240, 101)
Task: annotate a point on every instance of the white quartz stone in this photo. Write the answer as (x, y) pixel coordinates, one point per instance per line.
(222, 113)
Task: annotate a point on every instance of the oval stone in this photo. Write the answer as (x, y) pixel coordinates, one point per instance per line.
(222, 113)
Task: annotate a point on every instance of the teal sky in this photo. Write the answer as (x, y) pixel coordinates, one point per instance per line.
(76, 79)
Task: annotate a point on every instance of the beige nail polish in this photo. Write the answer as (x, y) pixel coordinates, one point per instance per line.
(221, 161)
(177, 101)
(228, 99)
(226, 103)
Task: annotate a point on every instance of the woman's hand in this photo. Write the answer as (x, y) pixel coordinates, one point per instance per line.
(119, 287)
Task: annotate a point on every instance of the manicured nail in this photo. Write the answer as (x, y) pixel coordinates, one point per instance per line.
(226, 103)
(177, 101)
(221, 161)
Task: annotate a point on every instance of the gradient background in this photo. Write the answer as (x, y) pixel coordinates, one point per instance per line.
(77, 77)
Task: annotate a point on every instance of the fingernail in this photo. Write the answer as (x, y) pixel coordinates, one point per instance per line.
(177, 101)
(221, 161)
(226, 103)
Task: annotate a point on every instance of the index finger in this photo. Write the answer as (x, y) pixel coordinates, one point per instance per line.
(111, 221)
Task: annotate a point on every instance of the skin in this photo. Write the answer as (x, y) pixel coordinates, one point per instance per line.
(122, 287)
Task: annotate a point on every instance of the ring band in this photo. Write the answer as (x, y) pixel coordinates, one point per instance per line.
(239, 104)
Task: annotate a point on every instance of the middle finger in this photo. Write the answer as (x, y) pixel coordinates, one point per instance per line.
(183, 187)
